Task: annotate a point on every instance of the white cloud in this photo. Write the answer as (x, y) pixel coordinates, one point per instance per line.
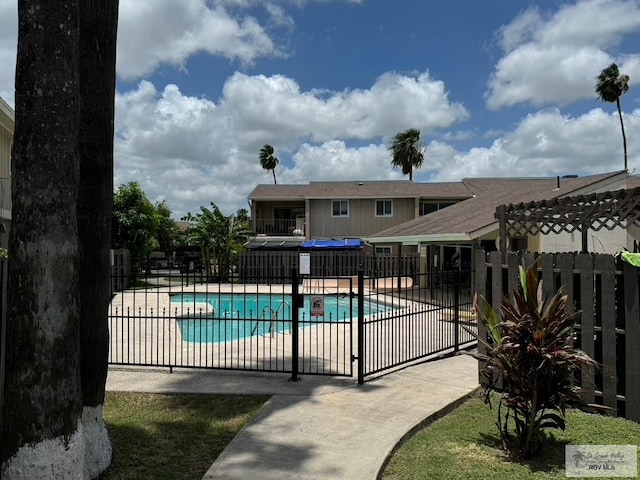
(206, 151)
(334, 161)
(152, 33)
(156, 32)
(549, 143)
(278, 16)
(458, 135)
(555, 60)
(192, 151)
(520, 30)
(395, 102)
(165, 126)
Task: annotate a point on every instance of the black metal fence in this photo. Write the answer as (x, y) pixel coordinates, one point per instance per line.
(287, 323)
(168, 319)
(256, 266)
(313, 325)
(422, 317)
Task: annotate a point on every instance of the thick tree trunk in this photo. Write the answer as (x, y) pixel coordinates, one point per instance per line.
(42, 432)
(97, 61)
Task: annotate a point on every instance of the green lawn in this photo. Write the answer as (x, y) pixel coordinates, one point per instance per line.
(464, 445)
(172, 436)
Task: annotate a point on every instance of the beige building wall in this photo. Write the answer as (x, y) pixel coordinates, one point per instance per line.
(604, 241)
(360, 222)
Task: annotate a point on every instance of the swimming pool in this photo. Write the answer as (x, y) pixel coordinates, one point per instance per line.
(238, 316)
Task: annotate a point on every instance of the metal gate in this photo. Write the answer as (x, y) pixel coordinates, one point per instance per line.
(412, 318)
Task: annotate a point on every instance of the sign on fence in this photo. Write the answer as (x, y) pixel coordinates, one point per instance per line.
(305, 263)
(317, 306)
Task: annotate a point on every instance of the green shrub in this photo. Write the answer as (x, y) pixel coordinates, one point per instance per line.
(531, 359)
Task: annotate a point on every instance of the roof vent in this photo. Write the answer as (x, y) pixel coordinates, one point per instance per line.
(360, 183)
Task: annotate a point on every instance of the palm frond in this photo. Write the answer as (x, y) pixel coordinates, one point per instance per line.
(268, 160)
(407, 151)
(611, 84)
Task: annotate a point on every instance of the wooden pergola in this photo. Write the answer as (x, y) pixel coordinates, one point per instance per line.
(608, 210)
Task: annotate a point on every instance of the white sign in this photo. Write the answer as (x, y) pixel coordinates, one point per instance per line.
(305, 263)
(317, 306)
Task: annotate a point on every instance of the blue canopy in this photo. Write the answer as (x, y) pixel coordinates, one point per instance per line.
(346, 243)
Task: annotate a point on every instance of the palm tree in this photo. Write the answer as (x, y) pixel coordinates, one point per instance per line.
(610, 87)
(98, 21)
(268, 160)
(42, 401)
(220, 237)
(408, 151)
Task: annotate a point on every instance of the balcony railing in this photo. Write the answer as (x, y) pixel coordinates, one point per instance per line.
(272, 226)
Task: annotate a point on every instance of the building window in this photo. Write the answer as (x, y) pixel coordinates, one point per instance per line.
(430, 207)
(340, 208)
(384, 208)
(383, 250)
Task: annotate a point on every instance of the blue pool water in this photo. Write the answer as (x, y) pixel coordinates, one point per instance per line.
(239, 316)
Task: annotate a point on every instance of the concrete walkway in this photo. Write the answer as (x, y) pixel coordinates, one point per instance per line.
(320, 427)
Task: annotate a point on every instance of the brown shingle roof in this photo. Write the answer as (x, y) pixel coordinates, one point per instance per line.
(278, 192)
(470, 216)
(364, 189)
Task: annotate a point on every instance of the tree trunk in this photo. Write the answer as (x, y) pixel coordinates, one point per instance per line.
(624, 137)
(275, 182)
(42, 432)
(97, 61)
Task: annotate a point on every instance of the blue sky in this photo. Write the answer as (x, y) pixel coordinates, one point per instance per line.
(497, 88)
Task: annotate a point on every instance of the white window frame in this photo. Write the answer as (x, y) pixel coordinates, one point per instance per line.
(384, 205)
(383, 250)
(340, 215)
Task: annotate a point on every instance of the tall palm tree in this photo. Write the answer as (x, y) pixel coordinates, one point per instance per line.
(610, 87)
(42, 401)
(268, 160)
(98, 21)
(407, 151)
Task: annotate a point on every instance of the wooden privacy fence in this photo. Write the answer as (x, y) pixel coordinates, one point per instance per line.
(606, 292)
(257, 265)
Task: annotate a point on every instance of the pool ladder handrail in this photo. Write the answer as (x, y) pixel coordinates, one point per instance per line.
(274, 313)
(271, 329)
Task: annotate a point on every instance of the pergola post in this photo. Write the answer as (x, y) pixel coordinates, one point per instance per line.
(502, 217)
